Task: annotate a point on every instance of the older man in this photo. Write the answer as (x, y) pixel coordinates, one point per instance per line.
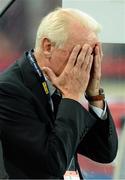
(43, 121)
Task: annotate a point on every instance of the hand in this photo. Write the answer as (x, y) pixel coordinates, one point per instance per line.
(74, 79)
(95, 77)
(95, 74)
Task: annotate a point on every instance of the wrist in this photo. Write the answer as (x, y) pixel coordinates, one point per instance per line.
(100, 96)
(94, 92)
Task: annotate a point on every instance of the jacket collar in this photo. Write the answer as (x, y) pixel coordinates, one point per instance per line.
(31, 80)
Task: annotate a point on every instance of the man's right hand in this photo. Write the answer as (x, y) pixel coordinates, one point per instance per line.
(74, 79)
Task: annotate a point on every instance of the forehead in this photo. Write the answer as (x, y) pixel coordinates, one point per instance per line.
(81, 35)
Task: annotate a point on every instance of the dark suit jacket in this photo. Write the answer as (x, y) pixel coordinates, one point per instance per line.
(36, 147)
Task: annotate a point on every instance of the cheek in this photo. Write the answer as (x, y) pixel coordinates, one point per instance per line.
(59, 62)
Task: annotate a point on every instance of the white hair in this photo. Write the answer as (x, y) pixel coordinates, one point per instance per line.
(55, 25)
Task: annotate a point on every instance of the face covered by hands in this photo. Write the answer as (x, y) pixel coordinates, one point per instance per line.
(74, 79)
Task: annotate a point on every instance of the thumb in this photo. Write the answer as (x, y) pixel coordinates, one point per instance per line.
(49, 73)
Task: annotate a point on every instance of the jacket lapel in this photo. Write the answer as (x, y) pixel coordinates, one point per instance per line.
(32, 82)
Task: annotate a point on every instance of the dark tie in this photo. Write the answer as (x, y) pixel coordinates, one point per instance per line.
(56, 98)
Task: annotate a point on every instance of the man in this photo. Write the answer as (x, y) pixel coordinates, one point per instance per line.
(41, 136)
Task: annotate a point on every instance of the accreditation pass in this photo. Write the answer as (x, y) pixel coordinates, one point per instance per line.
(71, 175)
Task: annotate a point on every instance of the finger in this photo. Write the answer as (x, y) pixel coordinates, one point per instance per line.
(73, 57)
(89, 66)
(98, 50)
(85, 52)
(49, 73)
(97, 66)
(98, 56)
(86, 59)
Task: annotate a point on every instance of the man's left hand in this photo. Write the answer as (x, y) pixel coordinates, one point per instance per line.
(95, 76)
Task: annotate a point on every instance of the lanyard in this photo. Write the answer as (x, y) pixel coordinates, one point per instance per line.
(36, 68)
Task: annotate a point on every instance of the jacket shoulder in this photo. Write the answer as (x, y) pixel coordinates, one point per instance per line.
(11, 82)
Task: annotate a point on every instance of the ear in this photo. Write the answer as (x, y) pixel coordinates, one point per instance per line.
(47, 47)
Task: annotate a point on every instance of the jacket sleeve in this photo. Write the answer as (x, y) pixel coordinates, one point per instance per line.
(100, 143)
